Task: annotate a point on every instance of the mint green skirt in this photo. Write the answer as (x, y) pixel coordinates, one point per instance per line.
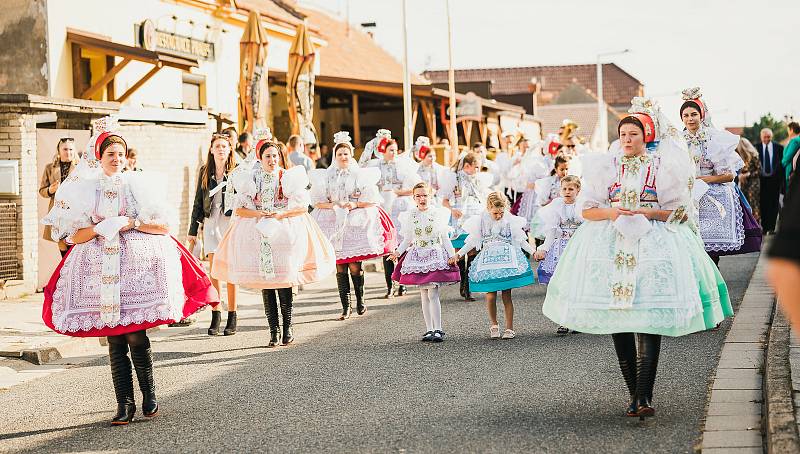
(679, 289)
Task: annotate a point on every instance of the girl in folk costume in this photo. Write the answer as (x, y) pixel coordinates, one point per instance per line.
(430, 172)
(124, 274)
(212, 209)
(273, 243)
(398, 176)
(424, 253)
(500, 265)
(726, 225)
(560, 220)
(347, 209)
(548, 189)
(464, 193)
(635, 268)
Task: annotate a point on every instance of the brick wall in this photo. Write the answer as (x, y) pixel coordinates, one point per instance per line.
(18, 142)
(177, 151)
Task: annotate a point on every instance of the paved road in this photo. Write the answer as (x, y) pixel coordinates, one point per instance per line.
(369, 385)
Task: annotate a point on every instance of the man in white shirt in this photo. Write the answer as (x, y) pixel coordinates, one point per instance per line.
(297, 155)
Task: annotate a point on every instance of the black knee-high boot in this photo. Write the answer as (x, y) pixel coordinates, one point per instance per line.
(646, 366)
(388, 269)
(625, 346)
(463, 267)
(343, 283)
(358, 287)
(142, 356)
(285, 296)
(271, 310)
(122, 377)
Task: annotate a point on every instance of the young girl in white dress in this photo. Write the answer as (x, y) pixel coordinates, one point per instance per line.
(499, 237)
(424, 253)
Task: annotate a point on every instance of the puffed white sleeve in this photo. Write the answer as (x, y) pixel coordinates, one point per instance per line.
(367, 183)
(442, 221)
(148, 189)
(474, 239)
(295, 183)
(542, 187)
(72, 208)
(447, 184)
(550, 217)
(518, 235)
(597, 182)
(319, 186)
(722, 152)
(674, 179)
(407, 231)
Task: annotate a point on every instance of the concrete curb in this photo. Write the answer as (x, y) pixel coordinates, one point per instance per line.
(781, 425)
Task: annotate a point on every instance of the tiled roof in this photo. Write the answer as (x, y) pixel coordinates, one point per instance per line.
(281, 12)
(618, 85)
(551, 116)
(352, 54)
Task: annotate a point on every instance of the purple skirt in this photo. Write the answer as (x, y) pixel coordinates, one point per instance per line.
(752, 235)
(448, 276)
(544, 276)
(515, 207)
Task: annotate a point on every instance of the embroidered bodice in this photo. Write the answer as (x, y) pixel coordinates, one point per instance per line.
(467, 187)
(342, 186)
(496, 231)
(569, 221)
(112, 189)
(635, 185)
(429, 176)
(426, 233)
(268, 193)
(390, 180)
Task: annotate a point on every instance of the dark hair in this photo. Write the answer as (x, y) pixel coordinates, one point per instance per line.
(244, 137)
(560, 159)
(794, 126)
(132, 153)
(209, 170)
(631, 120)
(111, 140)
(229, 130)
(476, 145)
(283, 162)
(691, 104)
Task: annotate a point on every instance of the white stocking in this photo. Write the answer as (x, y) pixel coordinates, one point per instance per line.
(435, 308)
(426, 311)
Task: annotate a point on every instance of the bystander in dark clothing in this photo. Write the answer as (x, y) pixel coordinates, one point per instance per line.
(771, 179)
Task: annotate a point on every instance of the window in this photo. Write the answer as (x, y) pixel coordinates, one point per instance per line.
(194, 91)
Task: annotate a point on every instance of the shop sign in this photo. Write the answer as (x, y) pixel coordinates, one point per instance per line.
(150, 38)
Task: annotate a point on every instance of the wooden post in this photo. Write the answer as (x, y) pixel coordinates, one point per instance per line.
(139, 83)
(356, 123)
(105, 80)
(78, 84)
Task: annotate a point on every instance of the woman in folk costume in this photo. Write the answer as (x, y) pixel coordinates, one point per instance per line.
(749, 182)
(398, 177)
(531, 168)
(726, 225)
(548, 189)
(212, 209)
(430, 172)
(464, 192)
(500, 264)
(125, 273)
(424, 254)
(635, 268)
(273, 243)
(347, 208)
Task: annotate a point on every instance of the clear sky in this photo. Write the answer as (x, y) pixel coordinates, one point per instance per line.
(745, 54)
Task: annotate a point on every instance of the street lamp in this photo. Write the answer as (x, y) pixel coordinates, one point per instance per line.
(602, 114)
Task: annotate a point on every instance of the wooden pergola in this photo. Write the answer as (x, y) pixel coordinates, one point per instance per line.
(82, 40)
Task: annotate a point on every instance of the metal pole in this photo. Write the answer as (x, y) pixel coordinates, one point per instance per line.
(407, 139)
(601, 117)
(451, 76)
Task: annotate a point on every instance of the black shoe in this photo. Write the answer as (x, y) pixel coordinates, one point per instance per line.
(401, 290)
(358, 287)
(437, 337)
(183, 323)
(625, 346)
(562, 330)
(230, 326)
(122, 377)
(343, 284)
(285, 296)
(388, 269)
(142, 357)
(216, 317)
(427, 337)
(270, 299)
(646, 366)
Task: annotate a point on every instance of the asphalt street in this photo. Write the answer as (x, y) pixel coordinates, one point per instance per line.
(369, 385)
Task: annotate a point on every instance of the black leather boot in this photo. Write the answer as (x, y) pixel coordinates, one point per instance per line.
(401, 290)
(230, 326)
(625, 346)
(216, 317)
(462, 286)
(646, 366)
(388, 269)
(358, 286)
(271, 309)
(343, 283)
(122, 377)
(285, 296)
(465, 279)
(142, 356)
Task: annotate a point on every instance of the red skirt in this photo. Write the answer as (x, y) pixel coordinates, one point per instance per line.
(196, 286)
(389, 240)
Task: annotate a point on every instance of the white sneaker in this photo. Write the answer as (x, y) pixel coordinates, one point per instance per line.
(509, 334)
(494, 332)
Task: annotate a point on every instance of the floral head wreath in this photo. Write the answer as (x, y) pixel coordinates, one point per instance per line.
(103, 129)
(422, 147)
(342, 138)
(262, 136)
(694, 95)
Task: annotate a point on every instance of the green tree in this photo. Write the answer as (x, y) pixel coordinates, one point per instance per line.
(778, 127)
